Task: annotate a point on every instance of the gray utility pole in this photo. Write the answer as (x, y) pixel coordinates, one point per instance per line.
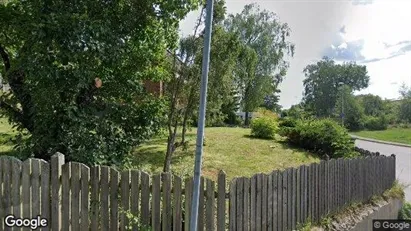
(201, 116)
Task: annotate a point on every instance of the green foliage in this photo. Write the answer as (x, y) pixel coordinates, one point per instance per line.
(352, 111)
(261, 65)
(323, 80)
(53, 51)
(376, 123)
(296, 112)
(325, 137)
(264, 127)
(405, 212)
(405, 110)
(373, 105)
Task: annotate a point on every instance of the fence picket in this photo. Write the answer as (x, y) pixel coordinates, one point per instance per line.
(135, 195)
(200, 221)
(66, 197)
(280, 201)
(232, 205)
(105, 198)
(94, 200)
(221, 201)
(246, 212)
(253, 202)
(75, 195)
(210, 204)
(125, 199)
(15, 190)
(114, 192)
(155, 209)
(270, 202)
(167, 216)
(187, 197)
(145, 199)
(177, 214)
(85, 199)
(56, 162)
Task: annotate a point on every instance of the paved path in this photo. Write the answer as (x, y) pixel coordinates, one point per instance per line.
(403, 160)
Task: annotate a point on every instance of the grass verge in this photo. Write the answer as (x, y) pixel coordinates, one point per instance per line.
(399, 135)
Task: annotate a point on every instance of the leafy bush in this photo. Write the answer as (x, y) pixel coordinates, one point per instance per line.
(320, 136)
(376, 123)
(264, 127)
(405, 212)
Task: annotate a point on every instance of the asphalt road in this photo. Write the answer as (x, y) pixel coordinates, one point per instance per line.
(403, 160)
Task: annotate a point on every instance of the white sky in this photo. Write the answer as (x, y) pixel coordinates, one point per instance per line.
(315, 25)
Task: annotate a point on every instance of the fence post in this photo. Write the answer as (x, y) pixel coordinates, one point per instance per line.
(221, 202)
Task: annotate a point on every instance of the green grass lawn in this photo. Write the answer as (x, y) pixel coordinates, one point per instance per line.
(6, 134)
(399, 135)
(228, 149)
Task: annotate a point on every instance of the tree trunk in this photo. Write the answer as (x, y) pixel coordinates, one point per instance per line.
(246, 119)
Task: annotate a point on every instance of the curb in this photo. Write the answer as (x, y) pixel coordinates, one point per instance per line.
(380, 141)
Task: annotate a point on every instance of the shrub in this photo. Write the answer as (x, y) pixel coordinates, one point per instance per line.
(264, 127)
(320, 136)
(376, 123)
(405, 212)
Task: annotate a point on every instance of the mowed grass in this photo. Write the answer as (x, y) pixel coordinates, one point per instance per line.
(228, 149)
(398, 135)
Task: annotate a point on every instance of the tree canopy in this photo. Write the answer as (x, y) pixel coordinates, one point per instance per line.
(52, 52)
(323, 80)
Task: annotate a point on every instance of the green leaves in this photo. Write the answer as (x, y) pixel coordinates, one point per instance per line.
(58, 48)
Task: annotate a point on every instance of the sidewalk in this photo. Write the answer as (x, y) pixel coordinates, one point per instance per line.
(380, 141)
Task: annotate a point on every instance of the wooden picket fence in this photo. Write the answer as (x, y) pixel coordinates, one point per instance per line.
(72, 196)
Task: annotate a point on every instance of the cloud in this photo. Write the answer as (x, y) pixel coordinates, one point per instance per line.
(346, 51)
(362, 2)
(400, 48)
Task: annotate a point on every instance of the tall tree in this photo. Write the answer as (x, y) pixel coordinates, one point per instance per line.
(262, 65)
(405, 105)
(323, 80)
(76, 73)
(373, 104)
(348, 109)
(183, 89)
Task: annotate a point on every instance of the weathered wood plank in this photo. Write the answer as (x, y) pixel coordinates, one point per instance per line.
(280, 201)
(200, 221)
(188, 197)
(264, 202)
(56, 162)
(15, 191)
(66, 198)
(270, 191)
(239, 204)
(95, 198)
(45, 191)
(294, 199)
(253, 202)
(135, 194)
(221, 202)
(177, 213)
(6, 199)
(285, 200)
(210, 205)
(105, 198)
(275, 200)
(125, 198)
(145, 199)
(259, 202)
(155, 213)
(290, 198)
(232, 204)
(114, 192)
(35, 184)
(75, 196)
(246, 212)
(167, 213)
(85, 197)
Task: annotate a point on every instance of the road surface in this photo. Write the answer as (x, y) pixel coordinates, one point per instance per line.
(403, 160)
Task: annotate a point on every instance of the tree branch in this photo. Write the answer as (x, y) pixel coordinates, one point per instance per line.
(5, 57)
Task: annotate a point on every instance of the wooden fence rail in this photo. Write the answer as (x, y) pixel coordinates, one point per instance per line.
(72, 196)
